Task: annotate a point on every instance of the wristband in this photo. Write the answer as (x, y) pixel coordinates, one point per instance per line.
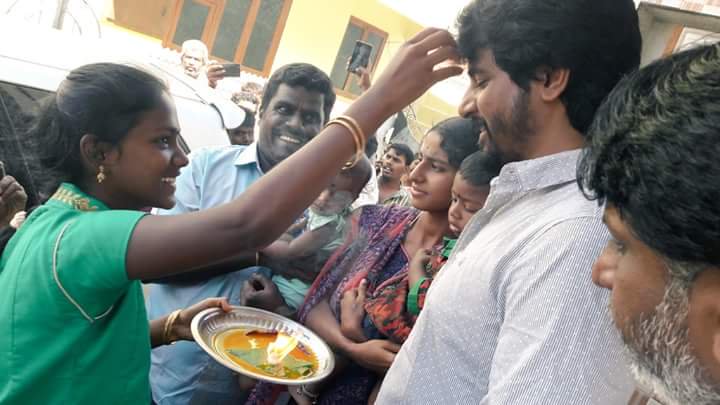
(412, 302)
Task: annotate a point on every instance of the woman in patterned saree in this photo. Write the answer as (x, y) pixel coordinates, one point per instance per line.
(380, 245)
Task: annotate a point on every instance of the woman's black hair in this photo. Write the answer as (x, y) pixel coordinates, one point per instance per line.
(459, 138)
(480, 168)
(106, 100)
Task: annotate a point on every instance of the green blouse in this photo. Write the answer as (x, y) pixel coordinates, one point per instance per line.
(74, 328)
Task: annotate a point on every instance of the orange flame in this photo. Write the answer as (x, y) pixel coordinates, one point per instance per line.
(280, 348)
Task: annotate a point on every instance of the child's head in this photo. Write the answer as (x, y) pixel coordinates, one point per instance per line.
(344, 189)
(470, 188)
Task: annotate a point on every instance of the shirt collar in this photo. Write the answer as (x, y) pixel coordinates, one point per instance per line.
(546, 171)
(71, 196)
(249, 155)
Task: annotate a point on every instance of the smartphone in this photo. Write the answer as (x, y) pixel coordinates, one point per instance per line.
(360, 56)
(231, 69)
(2, 170)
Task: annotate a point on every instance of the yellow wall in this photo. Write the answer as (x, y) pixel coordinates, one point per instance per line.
(313, 32)
(431, 109)
(315, 29)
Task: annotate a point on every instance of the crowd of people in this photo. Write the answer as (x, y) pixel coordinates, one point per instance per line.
(477, 270)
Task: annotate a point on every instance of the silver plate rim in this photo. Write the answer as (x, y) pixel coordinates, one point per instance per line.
(319, 347)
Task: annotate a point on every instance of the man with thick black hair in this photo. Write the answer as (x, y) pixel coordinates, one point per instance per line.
(513, 318)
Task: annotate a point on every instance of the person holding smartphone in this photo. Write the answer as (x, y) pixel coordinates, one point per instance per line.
(194, 59)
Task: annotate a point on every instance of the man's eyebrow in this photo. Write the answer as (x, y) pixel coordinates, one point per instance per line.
(475, 70)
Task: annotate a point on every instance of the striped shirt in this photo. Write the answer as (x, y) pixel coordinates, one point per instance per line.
(513, 317)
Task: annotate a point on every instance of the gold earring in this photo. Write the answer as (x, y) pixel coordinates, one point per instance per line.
(101, 174)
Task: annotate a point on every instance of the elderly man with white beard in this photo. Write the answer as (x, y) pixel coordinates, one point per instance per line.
(653, 162)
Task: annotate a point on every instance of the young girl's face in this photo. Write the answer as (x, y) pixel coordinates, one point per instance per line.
(432, 178)
(466, 201)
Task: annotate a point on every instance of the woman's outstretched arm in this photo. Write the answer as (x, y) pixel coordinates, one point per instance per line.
(164, 245)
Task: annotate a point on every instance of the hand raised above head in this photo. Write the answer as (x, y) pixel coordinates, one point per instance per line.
(363, 78)
(215, 72)
(417, 65)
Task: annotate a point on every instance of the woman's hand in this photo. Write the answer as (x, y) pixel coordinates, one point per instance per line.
(417, 65)
(352, 312)
(181, 327)
(376, 355)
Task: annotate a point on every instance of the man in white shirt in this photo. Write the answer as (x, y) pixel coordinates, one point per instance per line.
(196, 64)
(513, 317)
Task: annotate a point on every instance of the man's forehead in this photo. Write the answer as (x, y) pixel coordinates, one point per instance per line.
(298, 94)
(194, 52)
(613, 220)
(482, 62)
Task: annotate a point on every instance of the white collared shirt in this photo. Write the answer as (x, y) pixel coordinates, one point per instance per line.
(513, 317)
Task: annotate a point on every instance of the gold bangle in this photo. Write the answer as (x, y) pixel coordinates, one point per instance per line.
(353, 161)
(169, 322)
(351, 121)
(357, 135)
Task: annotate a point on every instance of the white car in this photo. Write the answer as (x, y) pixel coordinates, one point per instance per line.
(34, 60)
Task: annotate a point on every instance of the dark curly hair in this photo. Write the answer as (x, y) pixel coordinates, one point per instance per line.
(597, 40)
(654, 153)
(404, 151)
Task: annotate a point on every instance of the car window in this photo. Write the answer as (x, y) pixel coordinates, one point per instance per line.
(18, 109)
(19, 106)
